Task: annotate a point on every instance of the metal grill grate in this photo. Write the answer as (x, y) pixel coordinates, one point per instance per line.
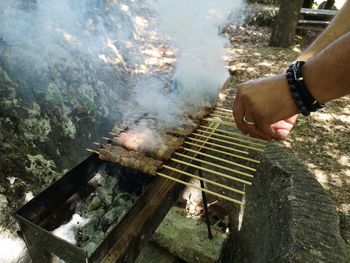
(217, 149)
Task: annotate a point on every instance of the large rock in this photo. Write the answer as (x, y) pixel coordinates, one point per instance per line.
(154, 253)
(288, 216)
(188, 238)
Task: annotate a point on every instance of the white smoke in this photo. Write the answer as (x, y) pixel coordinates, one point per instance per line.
(91, 40)
(192, 29)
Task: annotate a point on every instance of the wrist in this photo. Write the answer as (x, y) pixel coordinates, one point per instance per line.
(285, 98)
(300, 93)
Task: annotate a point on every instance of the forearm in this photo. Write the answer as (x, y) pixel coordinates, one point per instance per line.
(338, 27)
(327, 74)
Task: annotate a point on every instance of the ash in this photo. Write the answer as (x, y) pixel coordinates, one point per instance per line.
(96, 215)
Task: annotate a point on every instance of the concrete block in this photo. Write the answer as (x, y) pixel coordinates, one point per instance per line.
(188, 238)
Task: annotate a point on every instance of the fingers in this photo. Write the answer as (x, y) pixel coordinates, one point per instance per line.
(238, 113)
(265, 129)
(247, 123)
(260, 129)
(283, 128)
(261, 104)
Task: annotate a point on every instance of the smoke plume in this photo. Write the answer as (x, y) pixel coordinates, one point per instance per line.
(191, 29)
(115, 59)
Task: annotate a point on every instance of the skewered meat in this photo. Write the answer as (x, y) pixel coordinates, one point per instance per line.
(184, 131)
(198, 114)
(132, 159)
(143, 147)
(163, 150)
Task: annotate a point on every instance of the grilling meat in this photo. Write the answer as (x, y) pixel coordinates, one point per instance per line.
(144, 145)
(161, 151)
(184, 131)
(132, 159)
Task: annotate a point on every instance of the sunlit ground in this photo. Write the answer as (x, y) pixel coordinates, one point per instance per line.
(322, 141)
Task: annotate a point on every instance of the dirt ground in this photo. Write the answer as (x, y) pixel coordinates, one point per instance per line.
(321, 141)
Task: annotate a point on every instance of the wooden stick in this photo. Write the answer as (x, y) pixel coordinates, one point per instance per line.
(215, 165)
(211, 171)
(214, 126)
(231, 143)
(223, 113)
(219, 145)
(223, 152)
(221, 116)
(219, 159)
(234, 139)
(92, 151)
(96, 143)
(204, 179)
(222, 109)
(231, 124)
(201, 189)
(238, 135)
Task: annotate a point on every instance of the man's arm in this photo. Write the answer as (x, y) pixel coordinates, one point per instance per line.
(328, 73)
(338, 27)
(268, 102)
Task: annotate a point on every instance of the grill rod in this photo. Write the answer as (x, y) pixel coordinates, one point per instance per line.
(204, 197)
(200, 139)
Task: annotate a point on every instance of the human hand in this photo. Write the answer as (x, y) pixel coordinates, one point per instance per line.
(264, 108)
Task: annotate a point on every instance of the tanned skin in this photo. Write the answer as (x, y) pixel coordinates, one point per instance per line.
(268, 102)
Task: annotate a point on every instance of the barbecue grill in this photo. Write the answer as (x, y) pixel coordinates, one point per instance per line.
(214, 150)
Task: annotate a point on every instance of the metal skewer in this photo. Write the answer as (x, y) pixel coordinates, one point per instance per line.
(204, 197)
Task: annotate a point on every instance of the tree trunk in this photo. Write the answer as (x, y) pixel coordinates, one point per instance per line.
(286, 21)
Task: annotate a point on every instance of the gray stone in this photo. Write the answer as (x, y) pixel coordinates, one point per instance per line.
(154, 253)
(288, 216)
(3, 201)
(188, 238)
(3, 207)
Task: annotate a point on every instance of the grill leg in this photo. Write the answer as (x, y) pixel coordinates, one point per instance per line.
(205, 204)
